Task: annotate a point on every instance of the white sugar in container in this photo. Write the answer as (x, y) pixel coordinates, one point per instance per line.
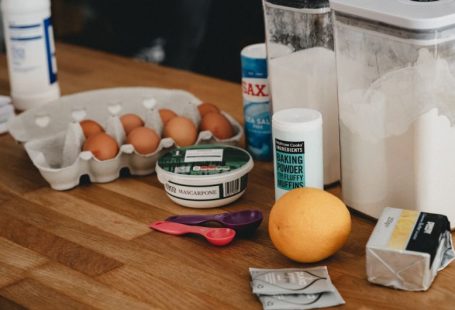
(396, 88)
(297, 150)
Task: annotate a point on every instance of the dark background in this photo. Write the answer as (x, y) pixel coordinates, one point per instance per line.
(203, 36)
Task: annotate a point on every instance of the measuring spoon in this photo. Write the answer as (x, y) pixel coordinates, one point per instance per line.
(240, 221)
(216, 236)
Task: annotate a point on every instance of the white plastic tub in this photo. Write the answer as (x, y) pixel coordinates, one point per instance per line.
(204, 176)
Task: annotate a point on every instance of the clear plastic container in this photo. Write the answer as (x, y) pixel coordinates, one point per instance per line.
(302, 71)
(396, 88)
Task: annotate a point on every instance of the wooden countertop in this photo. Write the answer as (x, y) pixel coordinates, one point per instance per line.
(90, 247)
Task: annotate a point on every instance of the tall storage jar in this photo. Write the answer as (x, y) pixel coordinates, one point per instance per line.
(396, 87)
(301, 61)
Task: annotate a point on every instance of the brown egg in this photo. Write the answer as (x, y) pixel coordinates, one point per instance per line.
(90, 127)
(182, 130)
(207, 107)
(144, 140)
(218, 124)
(101, 145)
(166, 115)
(131, 121)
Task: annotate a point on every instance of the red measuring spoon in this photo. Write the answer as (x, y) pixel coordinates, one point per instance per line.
(216, 236)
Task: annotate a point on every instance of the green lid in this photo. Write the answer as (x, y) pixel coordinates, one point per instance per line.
(208, 159)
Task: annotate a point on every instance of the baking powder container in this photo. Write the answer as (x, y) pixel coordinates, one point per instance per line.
(256, 101)
(297, 149)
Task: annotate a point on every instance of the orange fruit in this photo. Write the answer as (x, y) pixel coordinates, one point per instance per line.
(308, 225)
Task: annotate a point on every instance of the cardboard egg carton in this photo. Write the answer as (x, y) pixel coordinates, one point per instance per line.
(53, 137)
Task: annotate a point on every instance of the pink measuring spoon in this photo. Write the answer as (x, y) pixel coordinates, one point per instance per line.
(216, 236)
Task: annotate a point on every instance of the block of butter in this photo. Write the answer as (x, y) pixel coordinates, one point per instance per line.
(408, 248)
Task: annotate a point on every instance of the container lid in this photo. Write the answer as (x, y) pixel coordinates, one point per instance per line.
(208, 161)
(301, 4)
(24, 6)
(409, 14)
(256, 51)
(297, 119)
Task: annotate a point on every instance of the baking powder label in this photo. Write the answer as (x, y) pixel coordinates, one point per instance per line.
(290, 164)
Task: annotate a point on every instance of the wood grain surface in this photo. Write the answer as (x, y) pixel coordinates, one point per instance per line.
(90, 247)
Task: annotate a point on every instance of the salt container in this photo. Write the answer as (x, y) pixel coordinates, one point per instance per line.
(301, 60)
(396, 88)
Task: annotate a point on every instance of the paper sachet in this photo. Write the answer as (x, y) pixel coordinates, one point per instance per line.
(291, 281)
(301, 301)
(294, 288)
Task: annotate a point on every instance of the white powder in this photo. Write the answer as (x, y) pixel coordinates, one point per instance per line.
(307, 79)
(397, 150)
(398, 98)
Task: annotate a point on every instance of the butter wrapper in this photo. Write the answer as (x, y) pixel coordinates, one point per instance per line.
(408, 248)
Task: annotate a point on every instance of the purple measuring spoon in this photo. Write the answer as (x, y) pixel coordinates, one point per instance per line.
(245, 221)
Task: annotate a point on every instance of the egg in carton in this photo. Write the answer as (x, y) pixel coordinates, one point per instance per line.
(54, 138)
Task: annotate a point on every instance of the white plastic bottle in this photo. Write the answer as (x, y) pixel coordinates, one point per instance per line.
(297, 149)
(30, 51)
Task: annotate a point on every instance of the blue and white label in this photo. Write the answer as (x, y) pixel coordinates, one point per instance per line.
(50, 50)
(256, 107)
(258, 129)
(31, 54)
(21, 38)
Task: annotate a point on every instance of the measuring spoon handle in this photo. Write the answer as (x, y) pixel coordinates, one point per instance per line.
(177, 228)
(191, 219)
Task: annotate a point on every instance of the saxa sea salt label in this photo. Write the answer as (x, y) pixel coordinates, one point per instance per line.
(256, 102)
